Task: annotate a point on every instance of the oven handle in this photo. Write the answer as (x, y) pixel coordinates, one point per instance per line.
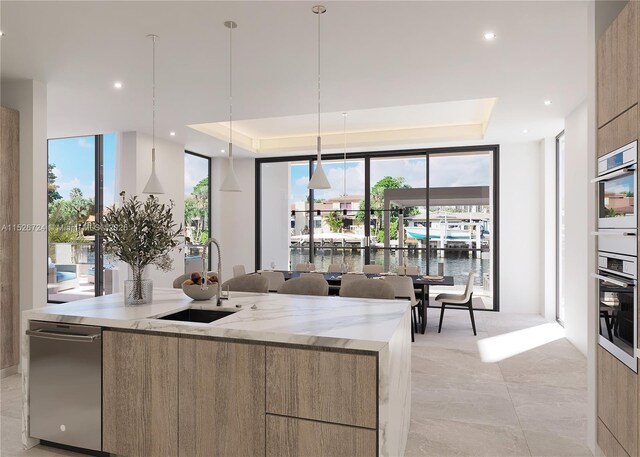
(614, 233)
(611, 280)
(615, 174)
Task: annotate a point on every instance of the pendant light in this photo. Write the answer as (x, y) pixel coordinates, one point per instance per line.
(319, 179)
(230, 183)
(153, 184)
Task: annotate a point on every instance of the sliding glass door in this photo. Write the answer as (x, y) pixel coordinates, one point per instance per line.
(197, 209)
(80, 183)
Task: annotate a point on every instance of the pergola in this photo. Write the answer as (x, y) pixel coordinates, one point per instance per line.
(434, 196)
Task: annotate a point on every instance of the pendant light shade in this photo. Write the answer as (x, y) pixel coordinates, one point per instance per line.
(153, 184)
(230, 182)
(319, 178)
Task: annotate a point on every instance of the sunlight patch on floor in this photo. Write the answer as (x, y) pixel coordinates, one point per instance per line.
(501, 347)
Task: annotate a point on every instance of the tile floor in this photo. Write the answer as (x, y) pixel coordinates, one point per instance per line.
(533, 404)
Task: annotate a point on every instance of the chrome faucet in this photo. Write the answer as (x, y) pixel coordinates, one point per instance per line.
(204, 285)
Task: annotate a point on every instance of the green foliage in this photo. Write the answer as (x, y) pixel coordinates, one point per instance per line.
(52, 187)
(334, 221)
(58, 234)
(196, 210)
(140, 233)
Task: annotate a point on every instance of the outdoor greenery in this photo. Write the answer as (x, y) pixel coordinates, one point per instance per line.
(377, 203)
(67, 217)
(196, 211)
(334, 221)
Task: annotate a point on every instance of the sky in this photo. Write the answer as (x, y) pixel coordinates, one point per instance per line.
(74, 160)
(446, 171)
(195, 170)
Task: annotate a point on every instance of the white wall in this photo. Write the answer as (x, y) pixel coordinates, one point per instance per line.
(275, 215)
(134, 169)
(578, 209)
(30, 99)
(548, 157)
(233, 218)
(521, 228)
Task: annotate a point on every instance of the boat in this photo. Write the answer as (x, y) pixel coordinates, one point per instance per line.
(453, 233)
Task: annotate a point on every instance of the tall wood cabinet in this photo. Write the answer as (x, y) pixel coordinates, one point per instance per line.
(618, 86)
(9, 241)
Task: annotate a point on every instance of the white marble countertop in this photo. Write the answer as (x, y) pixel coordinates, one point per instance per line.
(350, 323)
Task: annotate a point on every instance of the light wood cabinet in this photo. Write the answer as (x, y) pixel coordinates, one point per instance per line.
(618, 400)
(9, 241)
(617, 65)
(222, 399)
(327, 386)
(608, 443)
(140, 394)
(290, 437)
(619, 132)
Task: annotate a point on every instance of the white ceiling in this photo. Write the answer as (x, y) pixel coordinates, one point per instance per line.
(376, 55)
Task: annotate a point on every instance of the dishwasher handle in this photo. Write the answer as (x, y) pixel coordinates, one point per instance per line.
(40, 333)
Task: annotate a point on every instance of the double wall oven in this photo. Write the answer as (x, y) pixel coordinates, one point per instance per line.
(618, 253)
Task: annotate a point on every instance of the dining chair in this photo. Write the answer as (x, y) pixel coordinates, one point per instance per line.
(409, 270)
(335, 268)
(177, 283)
(238, 270)
(350, 277)
(306, 285)
(247, 283)
(373, 268)
(275, 278)
(368, 288)
(403, 288)
(464, 300)
(305, 267)
(307, 274)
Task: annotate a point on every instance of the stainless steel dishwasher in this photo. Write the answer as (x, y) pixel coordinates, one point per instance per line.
(65, 384)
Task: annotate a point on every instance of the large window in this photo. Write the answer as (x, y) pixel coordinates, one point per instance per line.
(197, 209)
(431, 209)
(81, 182)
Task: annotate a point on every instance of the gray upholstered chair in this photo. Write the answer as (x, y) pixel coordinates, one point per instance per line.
(335, 268)
(350, 277)
(464, 300)
(238, 270)
(305, 267)
(368, 288)
(276, 279)
(403, 289)
(177, 283)
(308, 285)
(408, 270)
(373, 268)
(247, 283)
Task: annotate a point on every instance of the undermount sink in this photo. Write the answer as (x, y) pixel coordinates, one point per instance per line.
(197, 315)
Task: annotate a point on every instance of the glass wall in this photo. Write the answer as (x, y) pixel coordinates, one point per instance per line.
(81, 171)
(432, 210)
(197, 209)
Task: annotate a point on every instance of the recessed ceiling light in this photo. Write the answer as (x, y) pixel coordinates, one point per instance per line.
(172, 133)
(525, 131)
(547, 102)
(1, 33)
(117, 85)
(221, 150)
(489, 36)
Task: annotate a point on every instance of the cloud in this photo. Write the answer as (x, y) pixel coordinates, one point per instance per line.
(85, 143)
(68, 185)
(195, 170)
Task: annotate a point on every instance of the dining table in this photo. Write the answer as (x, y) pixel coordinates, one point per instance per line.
(420, 282)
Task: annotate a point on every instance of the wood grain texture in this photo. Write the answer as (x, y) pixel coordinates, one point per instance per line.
(627, 404)
(9, 239)
(606, 64)
(607, 442)
(619, 132)
(607, 374)
(140, 394)
(221, 399)
(327, 386)
(289, 437)
(626, 56)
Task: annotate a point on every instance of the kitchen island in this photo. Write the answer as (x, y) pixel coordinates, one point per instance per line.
(279, 375)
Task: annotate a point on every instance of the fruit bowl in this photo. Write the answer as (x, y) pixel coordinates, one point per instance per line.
(195, 292)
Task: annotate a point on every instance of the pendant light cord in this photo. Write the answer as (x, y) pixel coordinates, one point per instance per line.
(230, 89)
(319, 14)
(153, 90)
(344, 165)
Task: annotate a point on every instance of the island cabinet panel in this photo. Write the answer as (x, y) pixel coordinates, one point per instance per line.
(617, 65)
(140, 394)
(608, 443)
(222, 399)
(619, 132)
(618, 400)
(327, 386)
(290, 437)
